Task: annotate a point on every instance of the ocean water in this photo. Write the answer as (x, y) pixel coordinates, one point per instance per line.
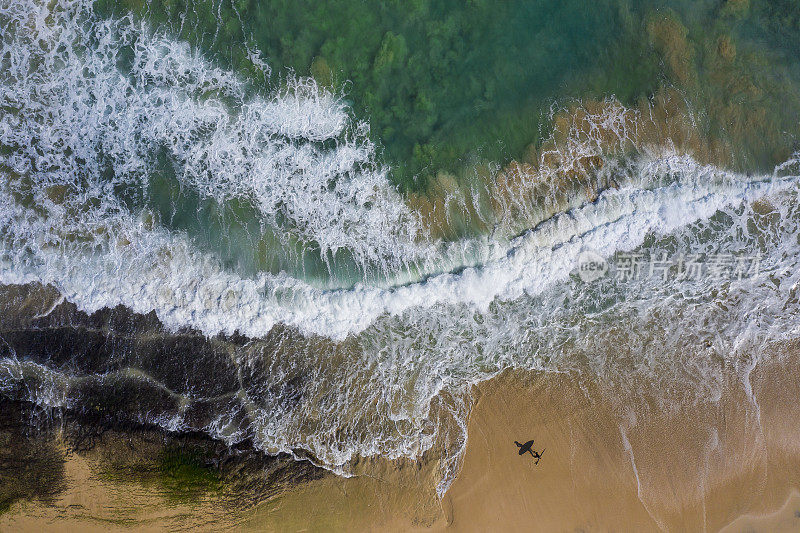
(141, 170)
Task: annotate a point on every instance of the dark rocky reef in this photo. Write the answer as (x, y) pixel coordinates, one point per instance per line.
(31, 467)
(134, 398)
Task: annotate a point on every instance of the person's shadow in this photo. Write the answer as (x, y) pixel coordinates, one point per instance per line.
(528, 448)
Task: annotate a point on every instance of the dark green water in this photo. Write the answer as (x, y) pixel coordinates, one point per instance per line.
(445, 83)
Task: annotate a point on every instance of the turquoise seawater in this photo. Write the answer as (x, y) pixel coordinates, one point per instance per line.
(450, 86)
(444, 84)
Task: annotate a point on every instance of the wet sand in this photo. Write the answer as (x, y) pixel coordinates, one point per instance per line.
(617, 464)
(614, 461)
(579, 474)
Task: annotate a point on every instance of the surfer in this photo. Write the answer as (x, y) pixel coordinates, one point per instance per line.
(527, 448)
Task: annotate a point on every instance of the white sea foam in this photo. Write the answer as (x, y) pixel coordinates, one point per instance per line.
(79, 133)
(159, 271)
(74, 118)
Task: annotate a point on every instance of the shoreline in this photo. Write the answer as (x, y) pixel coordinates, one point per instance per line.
(650, 453)
(597, 473)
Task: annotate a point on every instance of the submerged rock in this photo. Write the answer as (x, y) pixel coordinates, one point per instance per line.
(138, 402)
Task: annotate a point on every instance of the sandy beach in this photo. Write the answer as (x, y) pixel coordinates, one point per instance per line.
(698, 468)
(609, 466)
(613, 462)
